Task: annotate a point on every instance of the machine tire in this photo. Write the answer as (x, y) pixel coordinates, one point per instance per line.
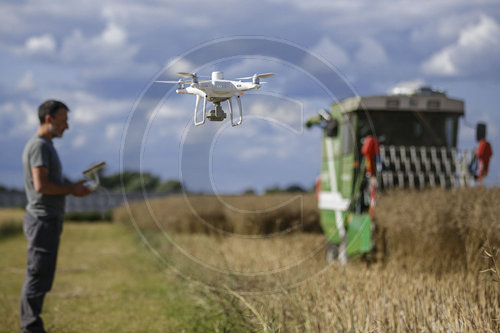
(332, 252)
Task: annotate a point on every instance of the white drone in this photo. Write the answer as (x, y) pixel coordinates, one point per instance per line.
(216, 90)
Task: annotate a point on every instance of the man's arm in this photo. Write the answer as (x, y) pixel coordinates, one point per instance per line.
(42, 184)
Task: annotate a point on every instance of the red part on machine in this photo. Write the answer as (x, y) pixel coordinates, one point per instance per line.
(318, 187)
(370, 150)
(484, 153)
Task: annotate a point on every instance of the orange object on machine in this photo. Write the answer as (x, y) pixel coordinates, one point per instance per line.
(370, 150)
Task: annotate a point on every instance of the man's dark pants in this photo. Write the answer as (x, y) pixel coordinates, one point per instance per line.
(43, 236)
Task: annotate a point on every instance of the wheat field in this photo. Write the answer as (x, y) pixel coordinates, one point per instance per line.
(262, 256)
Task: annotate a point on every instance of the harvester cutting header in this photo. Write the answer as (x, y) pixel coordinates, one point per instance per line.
(407, 139)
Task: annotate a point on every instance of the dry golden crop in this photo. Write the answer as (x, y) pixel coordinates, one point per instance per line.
(437, 267)
(243, 215)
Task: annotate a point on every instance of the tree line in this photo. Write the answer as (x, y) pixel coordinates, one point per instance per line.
(134, 181)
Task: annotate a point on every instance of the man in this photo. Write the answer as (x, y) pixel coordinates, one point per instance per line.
(46, 191)
(483, 153)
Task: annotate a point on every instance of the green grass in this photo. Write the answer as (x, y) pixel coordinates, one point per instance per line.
(11, 222)
(107, 281)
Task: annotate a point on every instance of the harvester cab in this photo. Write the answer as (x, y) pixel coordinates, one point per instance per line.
(407, 139)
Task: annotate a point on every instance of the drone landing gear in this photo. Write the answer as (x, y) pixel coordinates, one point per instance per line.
(196, 107)
(231, 111)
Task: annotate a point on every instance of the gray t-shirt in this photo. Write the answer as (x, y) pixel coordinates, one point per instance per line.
(40, 151)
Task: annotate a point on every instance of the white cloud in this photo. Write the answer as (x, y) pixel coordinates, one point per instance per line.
(441, 64)
(7, 108)
(443, 31)
(89, 109)
(288, 113)
(113, 35)
(40, 44)
(371, 53)
(18, 119)
(178, 108)
(27, 82)
(114, 131)
(476, 52)
(406, 87)
(331, 51)
(170, 120)
(31, 120)
(85, 115)
(258, 139)
(105, 55)
(79, 141)
(176, 65)
(253, 153)
(109, 47)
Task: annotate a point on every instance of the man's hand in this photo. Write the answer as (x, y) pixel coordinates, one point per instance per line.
(42, 184)
(80, 190)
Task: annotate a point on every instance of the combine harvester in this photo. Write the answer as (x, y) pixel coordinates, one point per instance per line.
(407, 139)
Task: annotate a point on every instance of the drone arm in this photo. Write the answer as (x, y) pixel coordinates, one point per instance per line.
(197, 106)
(249, 86)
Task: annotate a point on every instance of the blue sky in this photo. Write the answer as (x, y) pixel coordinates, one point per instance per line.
(100, 57)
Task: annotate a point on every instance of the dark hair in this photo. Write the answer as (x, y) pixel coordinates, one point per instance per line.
(50, 107)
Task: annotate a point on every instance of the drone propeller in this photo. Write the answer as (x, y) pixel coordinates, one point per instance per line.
(181, 82)
(256, 77)
(185, 74)
(264, 75)
(194, 76)
(172, 81)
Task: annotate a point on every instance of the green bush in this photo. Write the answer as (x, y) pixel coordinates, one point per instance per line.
(91, 216)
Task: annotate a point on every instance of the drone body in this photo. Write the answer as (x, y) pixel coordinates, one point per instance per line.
(216, 91)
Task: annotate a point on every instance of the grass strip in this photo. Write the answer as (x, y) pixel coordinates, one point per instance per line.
(107, 281)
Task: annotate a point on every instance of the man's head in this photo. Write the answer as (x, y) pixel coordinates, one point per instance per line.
(53, 116)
